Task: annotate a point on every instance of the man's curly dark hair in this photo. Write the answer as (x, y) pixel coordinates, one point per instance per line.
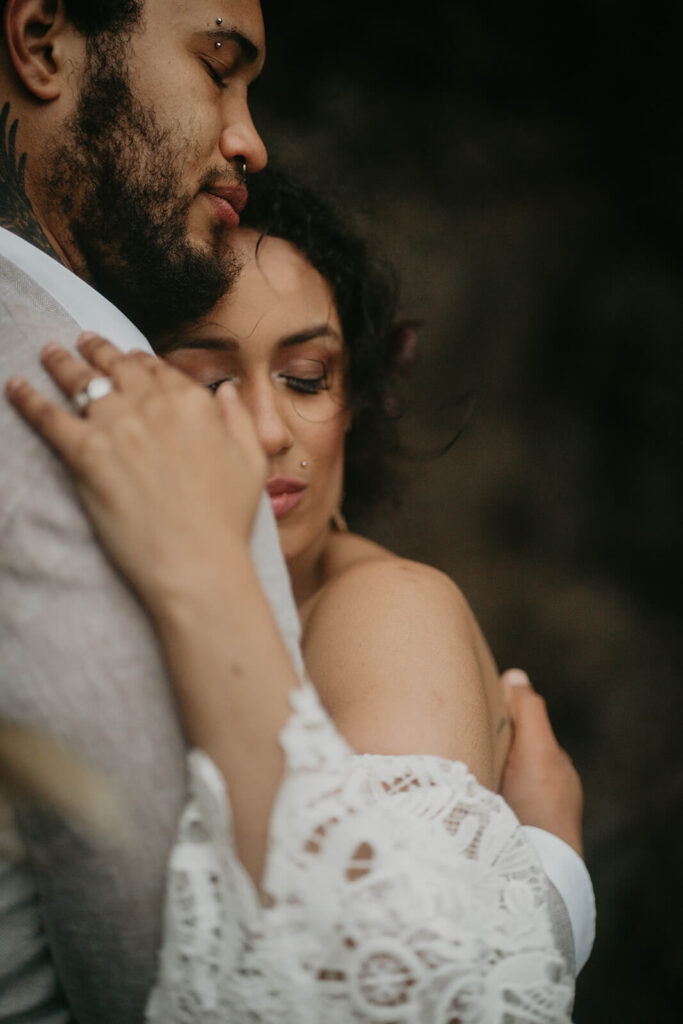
(365, 294)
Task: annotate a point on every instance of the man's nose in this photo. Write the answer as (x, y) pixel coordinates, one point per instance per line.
(240, 138)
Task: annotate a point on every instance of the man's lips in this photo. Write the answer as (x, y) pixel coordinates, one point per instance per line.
(284, 493)
(228, 202)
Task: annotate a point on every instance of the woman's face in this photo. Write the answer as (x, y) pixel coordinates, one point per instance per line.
(277, 336)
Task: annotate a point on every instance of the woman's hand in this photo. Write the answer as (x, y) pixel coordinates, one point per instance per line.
(171, 478)
(540, 782)
(169, 475)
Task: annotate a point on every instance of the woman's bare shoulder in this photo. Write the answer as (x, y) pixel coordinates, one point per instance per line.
(397, 656)
(362, 578)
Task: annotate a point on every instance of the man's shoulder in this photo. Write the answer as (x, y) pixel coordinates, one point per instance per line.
(26, 307)
(29, 317)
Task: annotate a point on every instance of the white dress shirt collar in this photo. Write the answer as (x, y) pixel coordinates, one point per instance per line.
(90, 310)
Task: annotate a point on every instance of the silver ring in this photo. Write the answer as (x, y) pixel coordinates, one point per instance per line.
(98, 387)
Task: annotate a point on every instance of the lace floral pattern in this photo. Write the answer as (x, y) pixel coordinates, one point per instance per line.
(397, 891)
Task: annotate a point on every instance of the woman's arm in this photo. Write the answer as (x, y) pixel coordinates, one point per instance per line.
(402, 668)
(171, 479)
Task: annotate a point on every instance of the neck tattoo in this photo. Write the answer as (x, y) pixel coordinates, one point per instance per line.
(16, 211)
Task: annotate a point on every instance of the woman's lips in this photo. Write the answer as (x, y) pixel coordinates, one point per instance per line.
(284, 493)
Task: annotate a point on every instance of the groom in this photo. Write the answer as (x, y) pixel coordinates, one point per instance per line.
(125, 136)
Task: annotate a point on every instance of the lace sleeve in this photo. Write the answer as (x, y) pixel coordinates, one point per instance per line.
(397, 891)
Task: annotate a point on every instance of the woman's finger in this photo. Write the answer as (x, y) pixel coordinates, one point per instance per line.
(129, 373)
(60, 428)
(106, 357)
(237, 418)
(135, 373)
(529, 712)
(68, 372)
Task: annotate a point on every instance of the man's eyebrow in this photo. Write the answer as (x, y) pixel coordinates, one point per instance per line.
(249, 51)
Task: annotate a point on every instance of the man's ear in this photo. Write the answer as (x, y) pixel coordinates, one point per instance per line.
(37, 44)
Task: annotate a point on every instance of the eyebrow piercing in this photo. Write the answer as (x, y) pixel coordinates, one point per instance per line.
(219, 21)
(218, 45)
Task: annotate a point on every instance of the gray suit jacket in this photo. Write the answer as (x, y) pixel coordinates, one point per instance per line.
(79, 660)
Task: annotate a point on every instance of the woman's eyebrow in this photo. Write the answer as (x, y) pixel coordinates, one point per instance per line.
(310, 334)
(215, 344)
(224, 343)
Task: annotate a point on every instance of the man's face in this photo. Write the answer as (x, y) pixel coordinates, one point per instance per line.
(145, 172)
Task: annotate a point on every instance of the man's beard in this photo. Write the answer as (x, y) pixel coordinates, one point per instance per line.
(117, 180)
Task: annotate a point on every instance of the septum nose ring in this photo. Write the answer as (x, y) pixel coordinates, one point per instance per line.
(242, 167)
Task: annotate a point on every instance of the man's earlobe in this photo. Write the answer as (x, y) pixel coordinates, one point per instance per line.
(34, 36)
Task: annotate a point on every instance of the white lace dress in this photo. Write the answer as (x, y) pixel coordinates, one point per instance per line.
(397, 891)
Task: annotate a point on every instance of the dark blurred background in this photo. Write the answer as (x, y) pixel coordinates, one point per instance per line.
(522, 166)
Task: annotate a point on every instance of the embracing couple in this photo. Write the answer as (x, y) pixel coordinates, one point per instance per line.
(336, 852)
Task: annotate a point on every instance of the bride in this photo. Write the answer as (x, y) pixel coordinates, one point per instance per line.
(306, 338)
(358, 871)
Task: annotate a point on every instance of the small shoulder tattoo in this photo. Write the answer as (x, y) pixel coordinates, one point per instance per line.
(16, 211)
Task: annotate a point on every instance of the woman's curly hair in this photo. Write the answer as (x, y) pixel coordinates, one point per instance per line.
(365, 294)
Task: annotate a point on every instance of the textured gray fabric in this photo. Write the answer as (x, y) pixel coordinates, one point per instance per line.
(29, 988)
(78, 659)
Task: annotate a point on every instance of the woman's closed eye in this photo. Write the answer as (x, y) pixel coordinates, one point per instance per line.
(310, 380)
(307, 377)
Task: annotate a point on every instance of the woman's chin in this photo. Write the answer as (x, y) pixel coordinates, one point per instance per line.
(299, 549)
(289, 549)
